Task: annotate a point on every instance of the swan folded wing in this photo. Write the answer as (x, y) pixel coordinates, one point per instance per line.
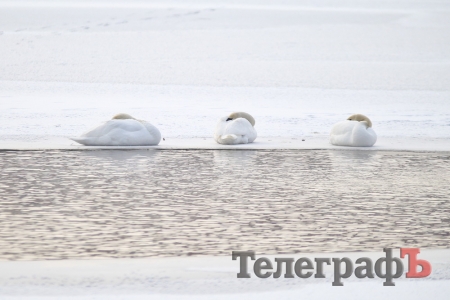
(341, 133)
(105, 128)
(238, 131)
(352, 133)
(153, 131)
(239, 127)
(117, 133)
(220, 127)
(122, 137)
(363, 136)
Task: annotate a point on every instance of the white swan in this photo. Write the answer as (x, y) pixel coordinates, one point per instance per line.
(356, 131)
(122, 130)
(237, 128)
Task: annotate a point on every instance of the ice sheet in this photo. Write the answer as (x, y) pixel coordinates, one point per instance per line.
(205, 277)
(297, 66)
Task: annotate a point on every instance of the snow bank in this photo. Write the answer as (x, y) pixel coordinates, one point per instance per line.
(205, 278)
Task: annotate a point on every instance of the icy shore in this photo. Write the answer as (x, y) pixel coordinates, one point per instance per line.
(205, 277)
(39, 115)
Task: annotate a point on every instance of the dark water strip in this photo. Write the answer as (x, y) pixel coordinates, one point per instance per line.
(144, 203)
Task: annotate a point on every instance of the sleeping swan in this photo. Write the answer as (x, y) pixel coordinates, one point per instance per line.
(237, 128)
(356, 131)
(122, 130)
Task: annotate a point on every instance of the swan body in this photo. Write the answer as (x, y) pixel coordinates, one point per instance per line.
(235, 129)
(356, 131)
(122, 130)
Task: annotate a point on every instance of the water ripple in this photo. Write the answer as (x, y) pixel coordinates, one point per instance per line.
(85, 204)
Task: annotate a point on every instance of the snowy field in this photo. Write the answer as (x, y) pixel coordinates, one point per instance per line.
(297, 66)
(206, 277)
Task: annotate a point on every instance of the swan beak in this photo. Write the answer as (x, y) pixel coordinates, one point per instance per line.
(229, 119)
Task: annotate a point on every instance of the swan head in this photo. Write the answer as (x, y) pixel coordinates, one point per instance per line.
(122, 116)
(360, 118)
(244, 115)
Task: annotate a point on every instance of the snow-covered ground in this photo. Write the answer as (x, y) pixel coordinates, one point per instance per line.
(44, 115)
(207, 277)
(297, 66)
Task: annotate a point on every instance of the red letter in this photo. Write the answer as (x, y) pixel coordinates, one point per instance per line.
(414, 262)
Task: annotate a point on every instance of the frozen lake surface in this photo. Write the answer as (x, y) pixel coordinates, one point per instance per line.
(297, 66)
(85, 204)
